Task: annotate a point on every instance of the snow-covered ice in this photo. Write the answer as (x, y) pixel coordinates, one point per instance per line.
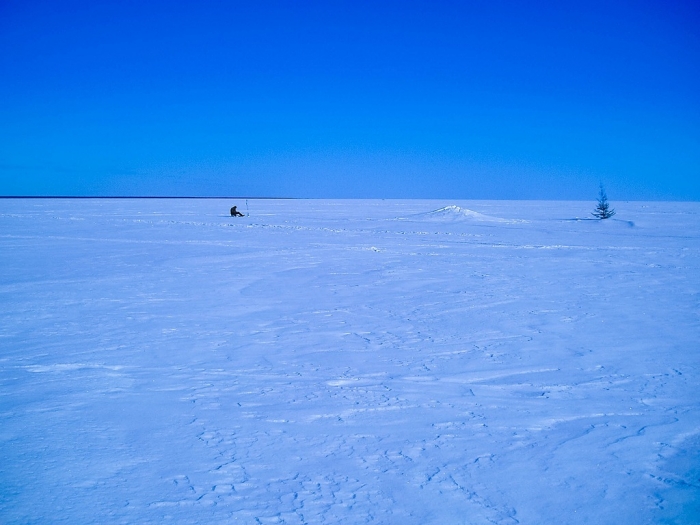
(400, 362)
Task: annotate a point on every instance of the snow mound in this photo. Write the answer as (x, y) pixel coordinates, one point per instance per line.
(455, 213)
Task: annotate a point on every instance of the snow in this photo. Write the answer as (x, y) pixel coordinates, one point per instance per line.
(453, 212)
(407, 362)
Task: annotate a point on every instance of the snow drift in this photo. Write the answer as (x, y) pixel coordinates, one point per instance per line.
(455, 213)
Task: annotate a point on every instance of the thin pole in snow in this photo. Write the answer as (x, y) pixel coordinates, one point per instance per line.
(247, 211)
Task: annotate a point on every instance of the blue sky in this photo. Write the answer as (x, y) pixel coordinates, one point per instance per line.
(453, 100)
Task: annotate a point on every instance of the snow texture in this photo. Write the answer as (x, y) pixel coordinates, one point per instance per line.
(401, 362)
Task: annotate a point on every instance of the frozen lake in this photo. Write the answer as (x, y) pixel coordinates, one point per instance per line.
(399, 362)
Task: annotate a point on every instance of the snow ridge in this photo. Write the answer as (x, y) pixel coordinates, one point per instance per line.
(456, 213)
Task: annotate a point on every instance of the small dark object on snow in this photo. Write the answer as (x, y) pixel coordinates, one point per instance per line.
(603, 210)
(235, 212)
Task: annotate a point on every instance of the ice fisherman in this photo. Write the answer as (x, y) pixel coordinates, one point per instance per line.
(235, 212)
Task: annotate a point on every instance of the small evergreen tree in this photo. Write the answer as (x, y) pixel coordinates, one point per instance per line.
(603, 210)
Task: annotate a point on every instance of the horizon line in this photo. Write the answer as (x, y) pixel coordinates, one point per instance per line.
(318, 198)
(132, 197)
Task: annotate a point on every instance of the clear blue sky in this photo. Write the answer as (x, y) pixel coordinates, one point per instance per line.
(331, 99)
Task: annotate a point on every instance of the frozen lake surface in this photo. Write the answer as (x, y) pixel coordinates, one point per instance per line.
(399, 362)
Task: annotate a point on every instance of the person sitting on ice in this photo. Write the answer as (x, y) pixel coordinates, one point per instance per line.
(235, 212)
